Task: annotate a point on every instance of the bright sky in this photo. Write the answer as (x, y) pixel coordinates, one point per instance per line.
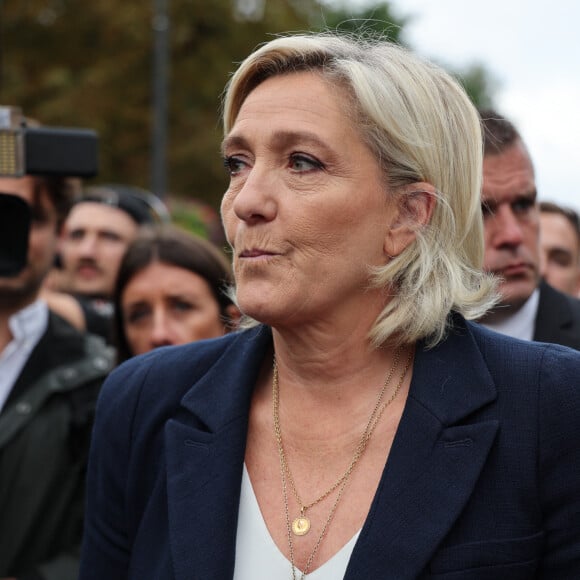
(532, 49)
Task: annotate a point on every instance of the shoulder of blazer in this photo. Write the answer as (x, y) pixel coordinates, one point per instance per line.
(518, 367)
(166, 374)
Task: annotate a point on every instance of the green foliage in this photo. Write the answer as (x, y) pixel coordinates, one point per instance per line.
(89, 64)
(194, 217)
(479, 84)
(377, 18)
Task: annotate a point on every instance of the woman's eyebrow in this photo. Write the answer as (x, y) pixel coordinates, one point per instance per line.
(278, 139)
(233, 141)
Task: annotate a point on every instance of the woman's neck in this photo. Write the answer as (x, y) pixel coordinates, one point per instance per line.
(336, 379)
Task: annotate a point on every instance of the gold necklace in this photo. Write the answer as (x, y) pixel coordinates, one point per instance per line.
(301, 524)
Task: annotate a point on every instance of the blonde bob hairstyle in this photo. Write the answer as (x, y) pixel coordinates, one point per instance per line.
(422, 127)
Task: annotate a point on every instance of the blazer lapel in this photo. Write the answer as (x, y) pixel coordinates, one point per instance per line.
(434, 462)
(205, 446)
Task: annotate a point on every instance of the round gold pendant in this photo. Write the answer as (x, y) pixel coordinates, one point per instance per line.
(301, 526)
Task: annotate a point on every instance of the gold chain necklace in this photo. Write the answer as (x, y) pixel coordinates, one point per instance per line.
(301, 525)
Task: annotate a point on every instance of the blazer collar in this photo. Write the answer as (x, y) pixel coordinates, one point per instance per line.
(225, 391)
(452, 380)
(205, 448)
(437, 455)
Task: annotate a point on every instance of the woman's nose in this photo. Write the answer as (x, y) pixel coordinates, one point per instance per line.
(160, 330)
(255, 201)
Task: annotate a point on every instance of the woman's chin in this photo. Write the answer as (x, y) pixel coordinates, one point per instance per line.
(260, 312)
(263, 310)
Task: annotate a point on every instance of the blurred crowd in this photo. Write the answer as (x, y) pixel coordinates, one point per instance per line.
(106, 275)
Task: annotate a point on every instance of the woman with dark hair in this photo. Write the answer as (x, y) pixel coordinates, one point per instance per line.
(170, 289)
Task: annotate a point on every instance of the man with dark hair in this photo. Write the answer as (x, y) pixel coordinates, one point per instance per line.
(529, 308)
(560, 243)
(50, 375)
(101, 224)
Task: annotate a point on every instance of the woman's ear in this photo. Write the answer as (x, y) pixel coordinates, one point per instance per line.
(413, 211)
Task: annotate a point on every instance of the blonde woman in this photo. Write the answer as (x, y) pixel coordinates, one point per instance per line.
(359, 427)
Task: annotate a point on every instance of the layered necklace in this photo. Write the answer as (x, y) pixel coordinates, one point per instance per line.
(300, 525)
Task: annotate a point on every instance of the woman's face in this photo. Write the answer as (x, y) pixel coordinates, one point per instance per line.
(306, 211)
(164, 304)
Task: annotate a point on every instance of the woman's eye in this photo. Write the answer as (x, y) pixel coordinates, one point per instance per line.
(302, 163)
(137, 315)
(233, 164)
(182, 306)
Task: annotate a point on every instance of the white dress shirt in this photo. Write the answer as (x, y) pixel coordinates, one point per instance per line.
(521, 323)
(26, 326)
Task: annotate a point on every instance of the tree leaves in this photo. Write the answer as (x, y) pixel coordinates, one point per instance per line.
(89, 64)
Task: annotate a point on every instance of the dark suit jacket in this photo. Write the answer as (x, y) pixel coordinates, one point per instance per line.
(44, 439)
(482, 481)
(558, 318)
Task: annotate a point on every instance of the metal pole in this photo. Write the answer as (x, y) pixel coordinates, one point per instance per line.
(160, 78)
(1, 48)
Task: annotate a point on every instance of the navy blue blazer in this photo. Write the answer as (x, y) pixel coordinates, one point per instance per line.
(482, 481)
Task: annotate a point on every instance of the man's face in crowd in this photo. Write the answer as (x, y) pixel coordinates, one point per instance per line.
(95, 237)
(511, 224)
(18, 291)
(560, 252)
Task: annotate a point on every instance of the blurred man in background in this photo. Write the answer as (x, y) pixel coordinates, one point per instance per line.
(560, 243)
(529, 307)
(50, 375)
(100, 226)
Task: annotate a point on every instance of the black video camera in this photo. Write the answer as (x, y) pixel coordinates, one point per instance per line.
(47, 151)
(44, 150)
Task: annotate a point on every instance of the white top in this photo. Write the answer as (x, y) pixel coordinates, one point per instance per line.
(521, 324)
(26, 326)
(257, 555)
